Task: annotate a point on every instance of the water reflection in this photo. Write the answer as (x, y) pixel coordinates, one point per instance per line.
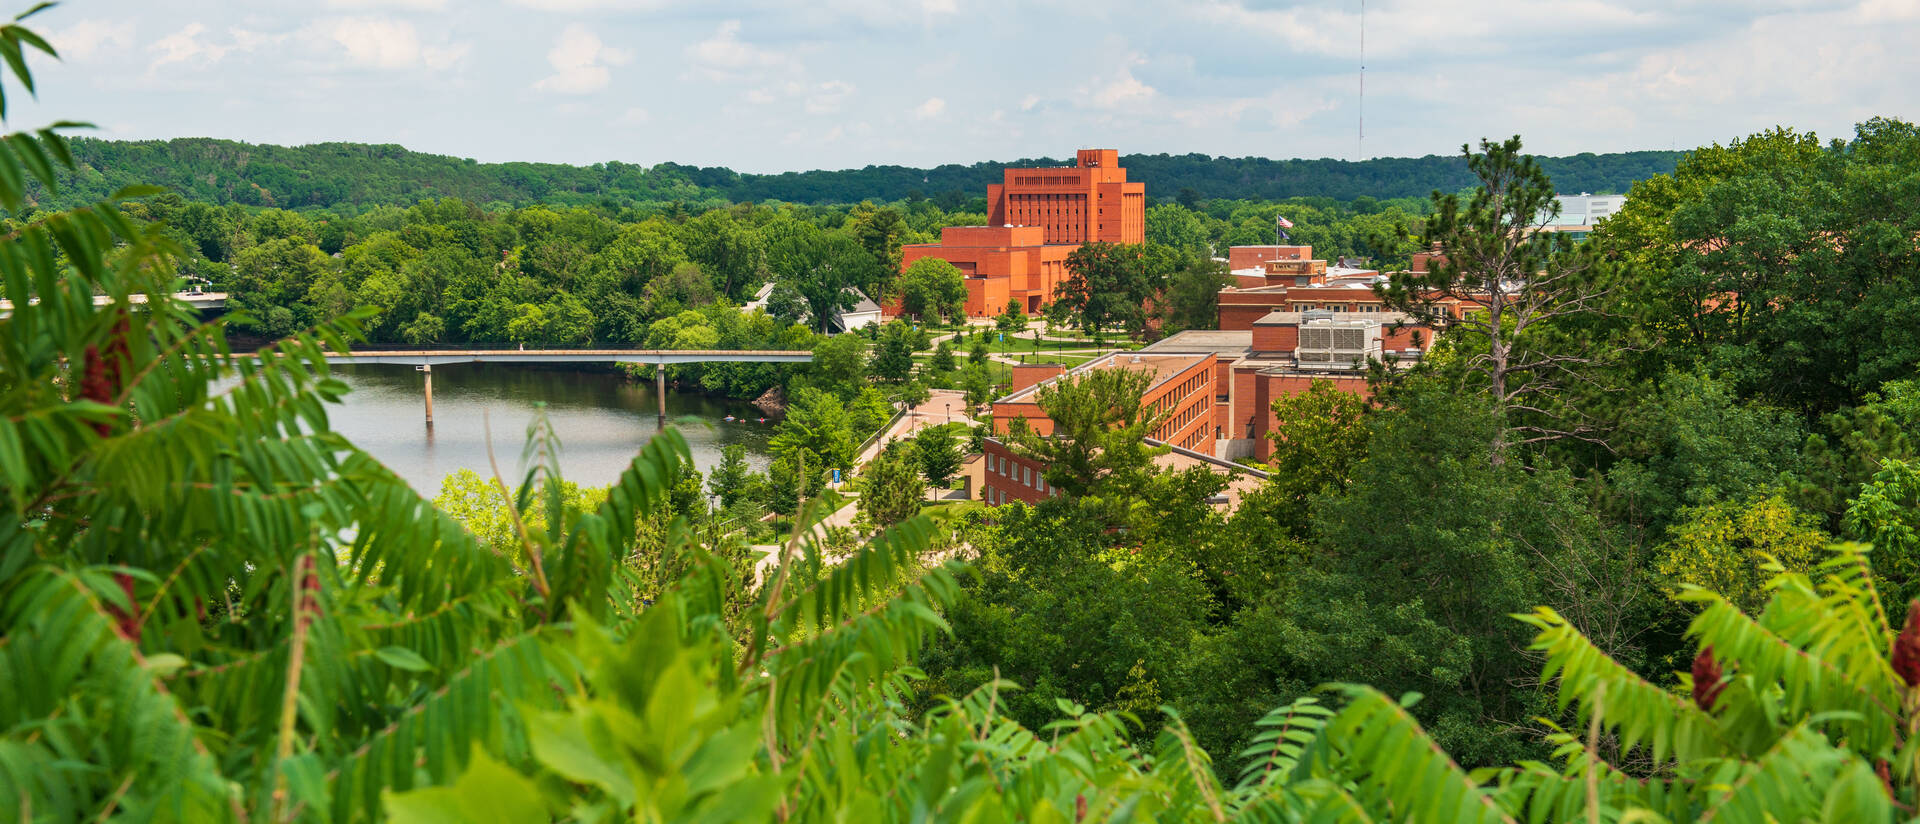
(602, 419)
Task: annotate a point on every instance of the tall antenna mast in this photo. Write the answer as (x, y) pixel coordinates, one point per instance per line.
(1360, 146)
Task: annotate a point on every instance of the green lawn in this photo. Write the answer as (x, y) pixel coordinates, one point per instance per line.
(1024, 345)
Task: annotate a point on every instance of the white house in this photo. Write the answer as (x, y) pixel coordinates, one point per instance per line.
(864, 312)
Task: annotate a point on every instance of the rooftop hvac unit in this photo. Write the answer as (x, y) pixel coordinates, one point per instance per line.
(1337, 345)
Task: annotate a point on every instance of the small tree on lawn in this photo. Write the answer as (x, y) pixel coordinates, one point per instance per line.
(939, 455)
(891, 488)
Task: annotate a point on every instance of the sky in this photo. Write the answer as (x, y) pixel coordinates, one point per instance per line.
(778, 86)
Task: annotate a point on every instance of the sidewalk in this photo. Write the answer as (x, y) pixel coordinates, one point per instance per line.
(942, 406)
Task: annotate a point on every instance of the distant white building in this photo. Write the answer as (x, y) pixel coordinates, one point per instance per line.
(1579, 213)
(864, 312)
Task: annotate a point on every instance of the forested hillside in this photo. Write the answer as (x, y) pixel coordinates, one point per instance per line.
(356, 174)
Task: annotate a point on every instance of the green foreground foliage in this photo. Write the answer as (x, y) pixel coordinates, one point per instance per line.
(213, 608)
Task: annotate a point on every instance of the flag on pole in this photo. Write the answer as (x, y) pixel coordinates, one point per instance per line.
(1283, 221)
(1280, 226)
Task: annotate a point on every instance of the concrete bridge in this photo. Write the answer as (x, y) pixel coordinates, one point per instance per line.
(202, 301)
(423, 360)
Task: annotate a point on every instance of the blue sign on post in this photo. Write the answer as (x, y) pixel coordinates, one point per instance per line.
(836, 477)
(1003, 337)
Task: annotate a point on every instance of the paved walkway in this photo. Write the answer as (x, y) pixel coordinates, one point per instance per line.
(941, 407)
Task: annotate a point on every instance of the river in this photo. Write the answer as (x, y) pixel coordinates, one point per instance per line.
(602, 419)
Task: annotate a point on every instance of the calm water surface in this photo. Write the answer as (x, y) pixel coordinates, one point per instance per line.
(602, 419)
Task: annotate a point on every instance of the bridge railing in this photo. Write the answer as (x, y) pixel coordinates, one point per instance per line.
(502, 346)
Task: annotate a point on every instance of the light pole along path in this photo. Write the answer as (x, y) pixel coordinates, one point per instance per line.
(424, 360)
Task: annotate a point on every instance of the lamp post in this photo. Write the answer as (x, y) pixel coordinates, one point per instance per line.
(949, 411)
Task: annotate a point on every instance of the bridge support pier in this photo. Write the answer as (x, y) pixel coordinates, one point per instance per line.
(660, 391)
(427, 368)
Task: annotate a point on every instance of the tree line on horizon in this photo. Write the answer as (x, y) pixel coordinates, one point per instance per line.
(336, 175)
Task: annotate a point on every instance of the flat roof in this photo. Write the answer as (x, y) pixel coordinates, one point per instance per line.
(1162, 365)
(1285, 318)
(1216, 341)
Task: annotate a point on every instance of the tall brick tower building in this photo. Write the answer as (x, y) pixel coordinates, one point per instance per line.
(1036, 217)
(1090, 201)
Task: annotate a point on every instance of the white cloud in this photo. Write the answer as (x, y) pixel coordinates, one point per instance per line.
(82, 40)
(932, 108)
(1890, 10)
(888, 13)
(591, 5)
(580, 62)
(635, 116)
(185, 46)
(403, 5)
(1123, 89)
(828, 97)
(725, 55)
(385, 43)
(443, 57)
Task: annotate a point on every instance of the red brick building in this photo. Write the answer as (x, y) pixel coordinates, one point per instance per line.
(1290, 279)
(1000, 263)
(1282, 353)
(1036, 218)
(1182, 392)
(1088, 201)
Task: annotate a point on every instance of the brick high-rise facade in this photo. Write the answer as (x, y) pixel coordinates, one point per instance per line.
(1086, 202)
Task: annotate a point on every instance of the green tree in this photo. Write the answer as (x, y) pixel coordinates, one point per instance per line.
(1096, 429)
(686, 285)
(1192, 297)
(893, 355)
(1489, 541)
(1887, 513)
(890, 487)
(640, 254)
(1773, 261)
(870, 408)
(1501, 286)
(879, 231)
(978, 350)
(942, 360)
(734, 254)
(818, 425)
(1176, 227)
(1851, 446)
(838, 266)
(1107, 287)
(931, 286)
(840, 361)
(728, 481)
(1693, 443)
(1728, 546)
(1318, 437)
(978, 383)
(786, 305)
(938, 455)
(1012, 321)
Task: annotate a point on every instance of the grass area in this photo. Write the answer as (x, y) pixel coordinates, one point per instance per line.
(1024, 345)
(1051, 357)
